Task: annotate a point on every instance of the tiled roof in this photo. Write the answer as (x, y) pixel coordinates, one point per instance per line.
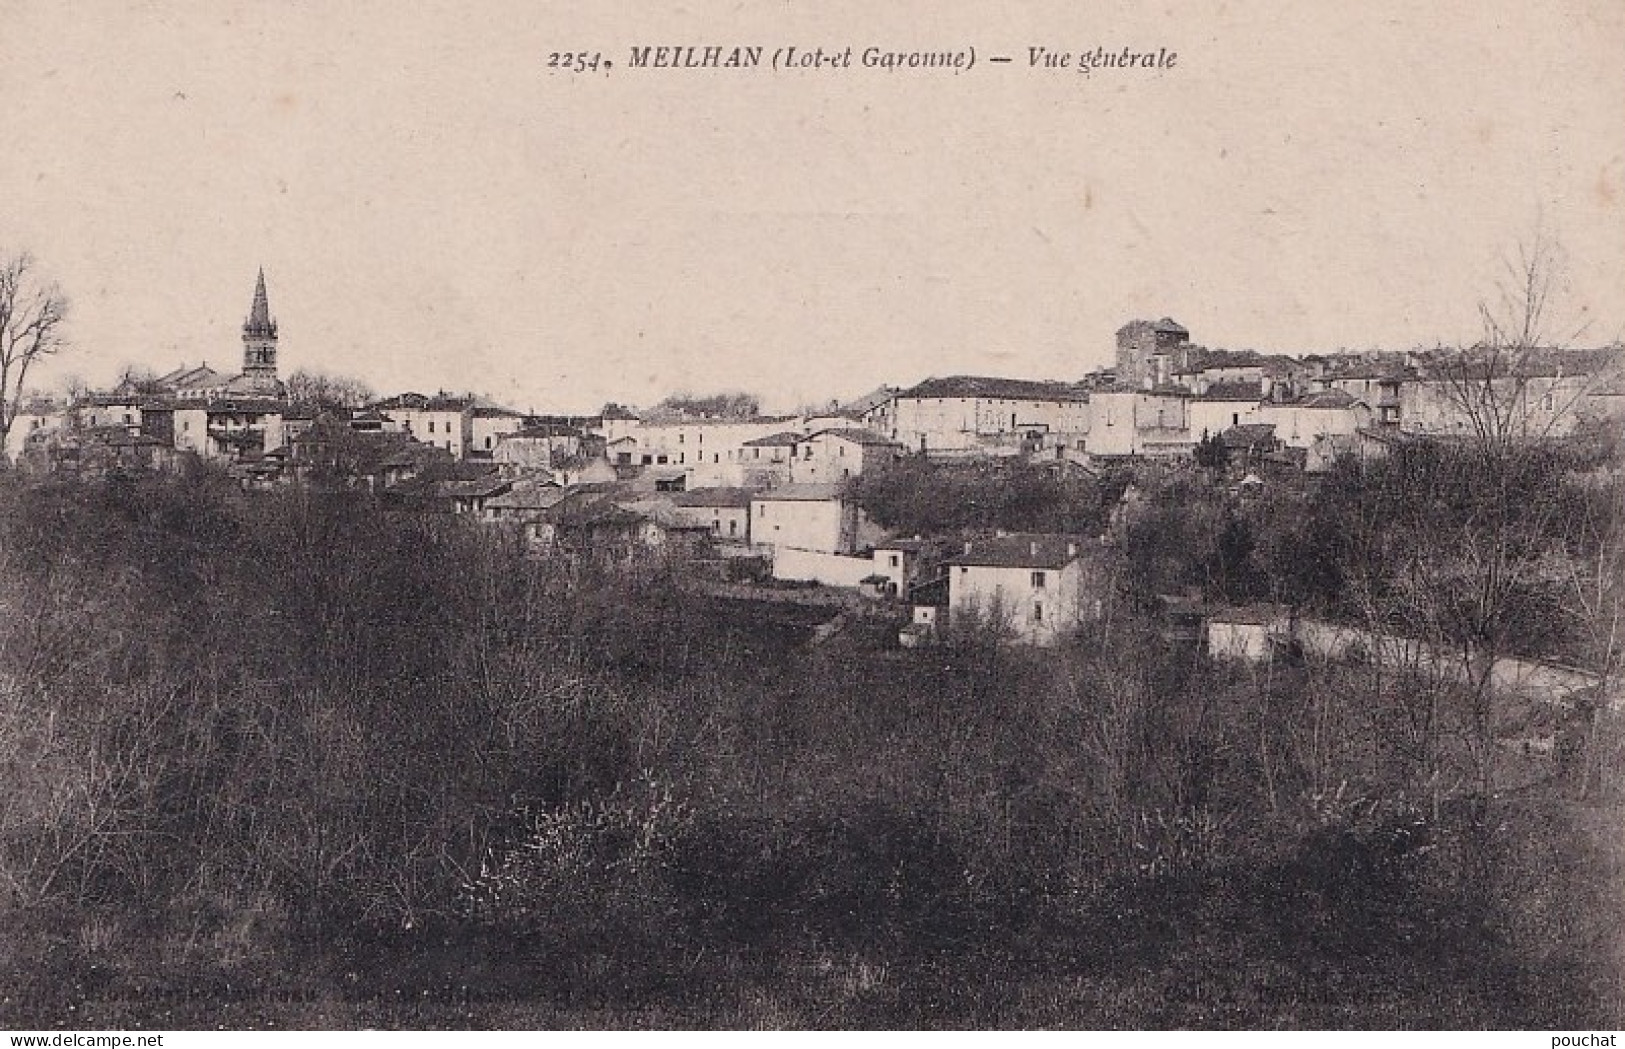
(782, 439)
(855, 435)
(582, 509)
(1248, 434)
(985, 387)
(1202, 358)
(1238, 390)
(1327, 399)
(720, 497)
(934, 592)
(799, 493)
(538, 430)
(871, 400)
(109, 400)
(1478, 363)
(529, 497)
(195, 377)
(254, 405)
(418, 402)
(1021, 551)
(477, 488)
(663, 513)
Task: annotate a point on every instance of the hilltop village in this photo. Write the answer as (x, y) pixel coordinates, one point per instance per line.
(1212, 688)
(735, 495)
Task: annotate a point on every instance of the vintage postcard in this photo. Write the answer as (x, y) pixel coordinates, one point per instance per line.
(812, 516)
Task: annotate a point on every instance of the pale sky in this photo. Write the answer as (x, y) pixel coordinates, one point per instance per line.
(434, 209)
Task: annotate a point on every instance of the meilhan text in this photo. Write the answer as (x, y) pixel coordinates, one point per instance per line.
(714, 56)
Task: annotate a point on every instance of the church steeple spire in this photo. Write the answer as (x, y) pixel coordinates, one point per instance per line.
(259, 323)
(259, 340)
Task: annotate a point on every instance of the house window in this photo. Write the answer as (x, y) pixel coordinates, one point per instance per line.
(1038, 612)
(893, 560)
(488, 443)
(733, 527)
(431, 426)
(1038, 580)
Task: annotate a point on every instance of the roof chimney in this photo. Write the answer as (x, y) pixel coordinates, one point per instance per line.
(1033, 546)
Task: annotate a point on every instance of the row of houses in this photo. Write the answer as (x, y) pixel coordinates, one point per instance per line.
(1165, 395)
(620, 485)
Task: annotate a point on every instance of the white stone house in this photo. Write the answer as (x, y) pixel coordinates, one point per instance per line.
(812, 517)
(832, 456)
(964, 412)
(440, 421)
(1125, 421)
(898, 561)
(725, 512)
(1300, 423)
(1223, 405)
(1029, 585)
(488, 424)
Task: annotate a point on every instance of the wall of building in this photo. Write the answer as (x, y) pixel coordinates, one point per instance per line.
(1033, 613)
(812, 565)
(451, 431)
(484, 431)
(822, 525)
(826, 458)
(1298, 427)
(1215, 417)
(1537, 407)
(956, 423)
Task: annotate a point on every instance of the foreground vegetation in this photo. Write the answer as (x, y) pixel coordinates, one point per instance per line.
(292, 760)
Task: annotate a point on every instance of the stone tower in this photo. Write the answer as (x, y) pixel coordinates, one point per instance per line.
(259, 342)
(1148, 350)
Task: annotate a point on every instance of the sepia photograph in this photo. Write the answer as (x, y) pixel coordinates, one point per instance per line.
(787, 516)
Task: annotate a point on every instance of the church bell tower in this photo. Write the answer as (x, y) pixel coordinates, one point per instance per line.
(259, 341)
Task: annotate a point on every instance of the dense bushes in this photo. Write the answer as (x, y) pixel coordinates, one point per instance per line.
(294, 747)
(924, 497)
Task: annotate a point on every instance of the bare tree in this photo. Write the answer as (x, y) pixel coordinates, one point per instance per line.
(31, 316)
(1522, 379)
(327, 391)
(137, 379)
